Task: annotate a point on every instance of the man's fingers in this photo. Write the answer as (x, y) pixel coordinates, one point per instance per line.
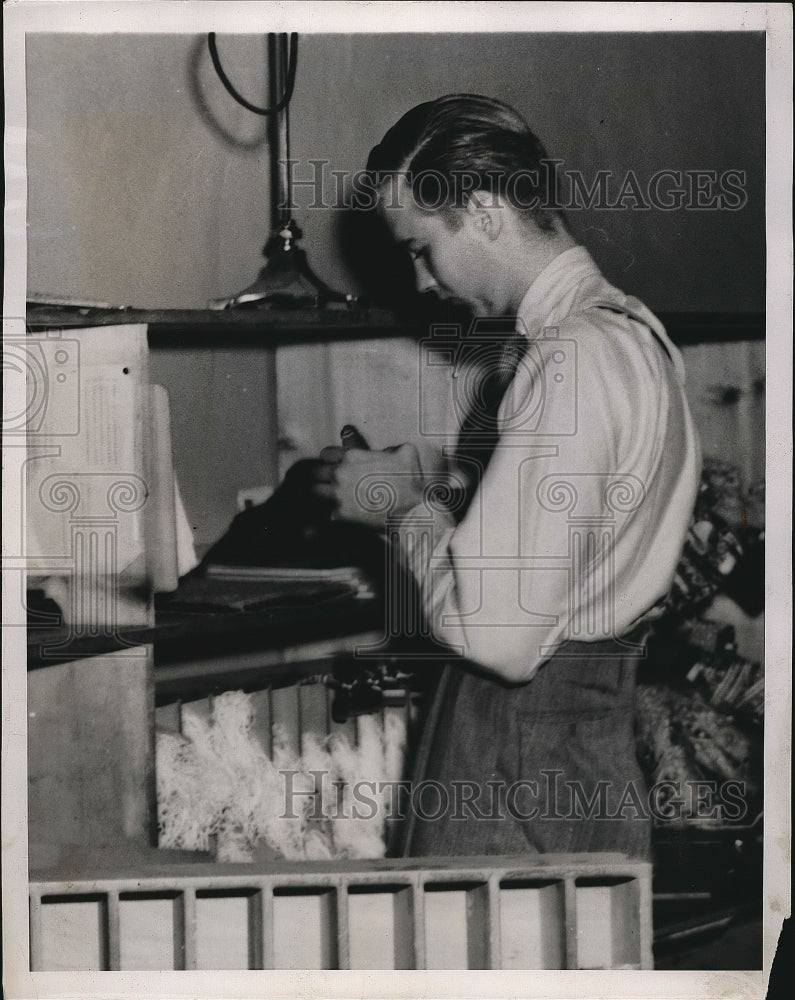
(336, 456)
(352, 437)
(326, 492)
(333, 454)
(308, 471)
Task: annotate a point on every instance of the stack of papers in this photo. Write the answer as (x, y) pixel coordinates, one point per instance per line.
(308, 574)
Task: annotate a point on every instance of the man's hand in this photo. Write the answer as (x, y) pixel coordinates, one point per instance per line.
(307, 490)
(284, 529)
(369, 485)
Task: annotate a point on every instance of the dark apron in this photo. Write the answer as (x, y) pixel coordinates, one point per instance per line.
(572, 724)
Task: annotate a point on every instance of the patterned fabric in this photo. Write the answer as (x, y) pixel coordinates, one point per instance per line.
(480, 431)
(572, 723)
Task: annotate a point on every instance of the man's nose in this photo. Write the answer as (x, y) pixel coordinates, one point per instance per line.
(423, 277)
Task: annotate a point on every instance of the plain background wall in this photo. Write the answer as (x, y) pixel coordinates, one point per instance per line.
(148, 186)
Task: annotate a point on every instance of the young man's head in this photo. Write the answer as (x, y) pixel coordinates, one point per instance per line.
(468, 189)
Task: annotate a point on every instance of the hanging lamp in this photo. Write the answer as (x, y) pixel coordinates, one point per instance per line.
(286, 281)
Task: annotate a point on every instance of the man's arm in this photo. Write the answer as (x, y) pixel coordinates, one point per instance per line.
(570, 535)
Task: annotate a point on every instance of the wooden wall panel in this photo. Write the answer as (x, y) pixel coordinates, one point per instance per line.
(91, 751)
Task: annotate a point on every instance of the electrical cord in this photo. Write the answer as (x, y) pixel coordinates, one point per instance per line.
(290, 83)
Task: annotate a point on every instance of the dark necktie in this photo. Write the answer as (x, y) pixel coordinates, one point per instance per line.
(486, 369)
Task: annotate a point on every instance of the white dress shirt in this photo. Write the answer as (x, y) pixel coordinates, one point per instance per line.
(577, 525)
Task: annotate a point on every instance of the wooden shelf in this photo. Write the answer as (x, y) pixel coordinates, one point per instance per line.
(180, 636)
(271, 327)
(243, 327)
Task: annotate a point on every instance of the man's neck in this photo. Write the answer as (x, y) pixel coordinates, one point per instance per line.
(537, 251)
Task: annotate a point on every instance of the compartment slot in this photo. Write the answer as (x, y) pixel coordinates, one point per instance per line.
(532, 925)
(304, 929)
(380, 927)
(148, 931)
(608, 923)
(223, 930)
(73, 933)
(456, 925)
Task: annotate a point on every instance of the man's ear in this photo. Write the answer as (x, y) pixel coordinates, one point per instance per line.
(484, 213)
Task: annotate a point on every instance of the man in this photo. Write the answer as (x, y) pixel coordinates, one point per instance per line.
(577, 508)
(577, 471)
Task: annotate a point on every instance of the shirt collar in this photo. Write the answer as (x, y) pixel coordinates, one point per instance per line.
(565, 271)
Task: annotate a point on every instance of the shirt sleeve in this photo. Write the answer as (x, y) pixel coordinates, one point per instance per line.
(547, 549)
